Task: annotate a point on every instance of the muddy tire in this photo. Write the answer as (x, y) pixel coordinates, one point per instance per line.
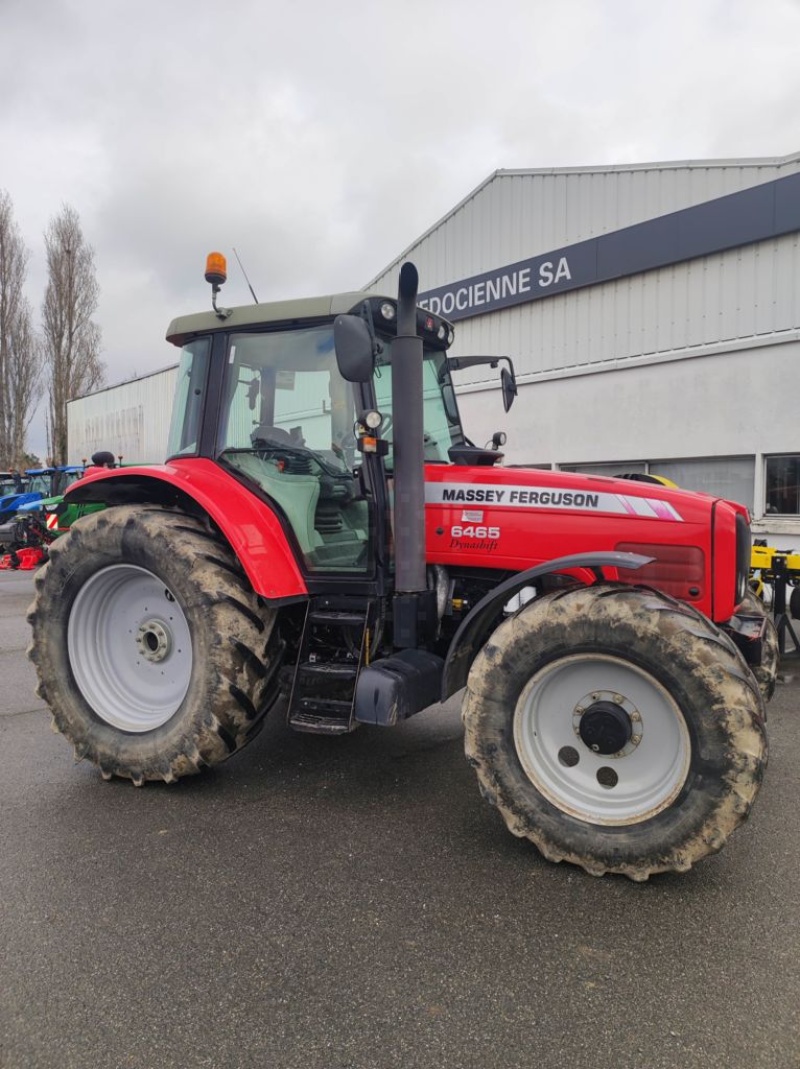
(152, 651)
(616, 729)
(767, 672)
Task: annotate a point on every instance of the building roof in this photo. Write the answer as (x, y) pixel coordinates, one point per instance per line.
(758, 162)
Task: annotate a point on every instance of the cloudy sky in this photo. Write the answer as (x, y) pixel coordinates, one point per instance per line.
(320, 139)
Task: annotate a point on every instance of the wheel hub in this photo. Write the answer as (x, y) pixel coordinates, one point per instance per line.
(605, 728)
(608, 723)
(153, 641)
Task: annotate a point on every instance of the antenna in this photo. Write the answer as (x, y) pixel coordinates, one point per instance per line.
(247, 280)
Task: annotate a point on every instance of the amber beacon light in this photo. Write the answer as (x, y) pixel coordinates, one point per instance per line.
(216, 274)
(216, 268)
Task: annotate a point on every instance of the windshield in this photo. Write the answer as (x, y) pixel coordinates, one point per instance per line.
(440, 419)
(39, 484)
(284, 387)
(63, 479)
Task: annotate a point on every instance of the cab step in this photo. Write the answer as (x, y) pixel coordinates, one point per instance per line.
(322, 717)
(325, 671)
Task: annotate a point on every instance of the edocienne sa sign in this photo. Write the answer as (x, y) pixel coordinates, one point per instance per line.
(524, 281)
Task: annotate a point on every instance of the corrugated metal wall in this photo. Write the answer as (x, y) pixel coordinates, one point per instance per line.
(516, 214)
(728, 404)
(740, 294)
(132, 420)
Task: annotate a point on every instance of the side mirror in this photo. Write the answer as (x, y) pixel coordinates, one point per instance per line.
(508, 385)
(449, 402)
(508, 380)
(353, 345)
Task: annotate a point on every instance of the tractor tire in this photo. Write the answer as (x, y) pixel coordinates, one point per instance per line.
(794, 603)
(155, 655)
(616, 729)
(767, 672)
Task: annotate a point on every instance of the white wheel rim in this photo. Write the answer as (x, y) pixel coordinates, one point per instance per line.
(649, 770)
(129, 648)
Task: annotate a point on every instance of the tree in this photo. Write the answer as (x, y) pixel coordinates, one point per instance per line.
(20, 350)
(71, 339)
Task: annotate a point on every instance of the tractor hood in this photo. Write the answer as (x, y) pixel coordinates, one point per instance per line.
(517, 518)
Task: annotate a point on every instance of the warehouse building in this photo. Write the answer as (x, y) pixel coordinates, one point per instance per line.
(130, 419)
(653, 315)
(652, 312)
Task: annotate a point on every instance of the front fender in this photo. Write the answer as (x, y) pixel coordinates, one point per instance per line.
(249, 525)
(475, 627)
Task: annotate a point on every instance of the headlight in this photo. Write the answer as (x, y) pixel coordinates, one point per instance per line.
(743, 551)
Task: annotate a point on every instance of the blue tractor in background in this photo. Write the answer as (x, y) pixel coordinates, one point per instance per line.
(39, 484)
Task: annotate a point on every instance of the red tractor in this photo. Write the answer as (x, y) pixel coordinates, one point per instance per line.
(323, 532)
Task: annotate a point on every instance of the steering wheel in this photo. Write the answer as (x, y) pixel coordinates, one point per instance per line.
(277, 441)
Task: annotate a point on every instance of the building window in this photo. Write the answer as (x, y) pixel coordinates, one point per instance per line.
(783, 486)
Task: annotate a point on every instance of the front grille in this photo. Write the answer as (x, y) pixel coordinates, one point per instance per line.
(743, 552)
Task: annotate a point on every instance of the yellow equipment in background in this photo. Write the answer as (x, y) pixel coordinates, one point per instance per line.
(763, 560)
(780, 568)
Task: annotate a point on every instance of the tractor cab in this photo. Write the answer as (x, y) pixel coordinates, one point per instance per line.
(37, 485)
(49, 488)
(294, 412)
(64, 476)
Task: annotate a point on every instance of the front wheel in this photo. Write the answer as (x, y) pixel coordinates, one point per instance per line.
(616, 729)
(151, 647)
(766, 672)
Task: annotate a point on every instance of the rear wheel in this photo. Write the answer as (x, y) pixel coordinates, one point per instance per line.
(616, 729)
(152, 649)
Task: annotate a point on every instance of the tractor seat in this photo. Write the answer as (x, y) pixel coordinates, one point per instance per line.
(266, 435)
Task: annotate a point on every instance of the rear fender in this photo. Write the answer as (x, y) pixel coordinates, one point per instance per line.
(477, 625)
(251, 528)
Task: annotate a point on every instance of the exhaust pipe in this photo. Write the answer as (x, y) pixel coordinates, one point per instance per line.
(414, 607)
(409, 450)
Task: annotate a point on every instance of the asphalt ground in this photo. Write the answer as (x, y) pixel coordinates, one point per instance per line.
(354, 904)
